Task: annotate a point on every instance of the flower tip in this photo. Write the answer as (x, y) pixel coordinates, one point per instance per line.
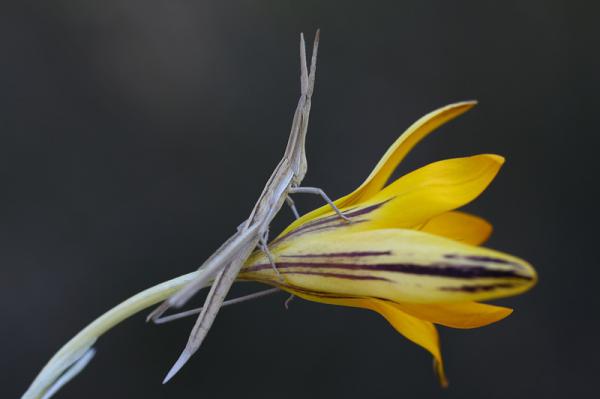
(470, 103)
(529, 277)
(499, 159)
(463, 106)
(438, 368)
(533, 275)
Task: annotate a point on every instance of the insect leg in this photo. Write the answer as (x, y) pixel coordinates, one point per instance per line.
(263, 245)
(318, 191)
(287, 301)
(291, 204)
(176, 316)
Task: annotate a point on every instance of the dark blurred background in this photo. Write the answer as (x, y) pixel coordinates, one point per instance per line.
(136, 135)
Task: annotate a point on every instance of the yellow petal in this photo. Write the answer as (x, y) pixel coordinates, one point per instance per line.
(415, 198)
(393, 156)
(396, 153)
(420, 197)
(421, 332)
(399, 265)
(457, 315)
(459, 226)
(432, 190)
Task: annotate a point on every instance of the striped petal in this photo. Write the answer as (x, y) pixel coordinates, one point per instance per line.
(418, 197)
(390, 160)
(459, 226)
(421, 332)
(457, 315)
(399, 265)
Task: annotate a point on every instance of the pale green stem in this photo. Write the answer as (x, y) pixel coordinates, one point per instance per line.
(73, 350)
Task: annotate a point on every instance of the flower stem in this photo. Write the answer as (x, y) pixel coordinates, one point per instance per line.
(79, 345)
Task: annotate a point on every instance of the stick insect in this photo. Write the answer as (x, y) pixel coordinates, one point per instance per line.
(224, 265)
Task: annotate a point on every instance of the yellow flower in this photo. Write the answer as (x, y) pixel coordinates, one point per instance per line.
(406, 254)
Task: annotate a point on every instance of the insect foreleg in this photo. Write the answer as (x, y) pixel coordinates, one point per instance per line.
(318, 191)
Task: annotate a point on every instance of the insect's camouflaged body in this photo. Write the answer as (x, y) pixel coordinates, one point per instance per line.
(224, 265)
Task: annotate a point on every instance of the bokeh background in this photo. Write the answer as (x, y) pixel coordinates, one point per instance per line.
(136, 135)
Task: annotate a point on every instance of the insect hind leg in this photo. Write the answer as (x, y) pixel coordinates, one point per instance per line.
(264, 247)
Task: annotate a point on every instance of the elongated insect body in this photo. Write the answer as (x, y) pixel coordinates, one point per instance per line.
(224, 265)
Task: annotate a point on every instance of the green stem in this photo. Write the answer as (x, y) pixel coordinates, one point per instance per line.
(80, 343)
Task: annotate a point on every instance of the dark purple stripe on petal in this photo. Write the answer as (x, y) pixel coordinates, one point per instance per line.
(485, 259)
(312, 229)
(310, 226)
(437, 270)
(340, 254)
(477, 288)
(340, 275)
(297, 289)
(368, 209)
